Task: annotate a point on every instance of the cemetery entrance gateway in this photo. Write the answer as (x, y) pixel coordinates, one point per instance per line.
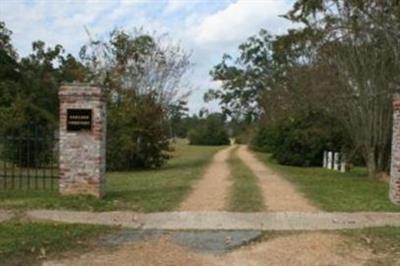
(31, 157)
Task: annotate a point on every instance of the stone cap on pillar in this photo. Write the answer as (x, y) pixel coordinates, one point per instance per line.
(81, 90)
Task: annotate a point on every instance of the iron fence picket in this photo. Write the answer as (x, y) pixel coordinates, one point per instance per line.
(29, 160)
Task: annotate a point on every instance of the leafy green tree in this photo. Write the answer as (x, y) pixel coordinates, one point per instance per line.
(186, 124)
(28, 95)
(344, 61)
(244, 78)
(137, 137)
(209, 131)
(274, 79)
(141, 74)
(71, 70)
(177, 112)
(359, 42)
(301, 139)
(9, 75)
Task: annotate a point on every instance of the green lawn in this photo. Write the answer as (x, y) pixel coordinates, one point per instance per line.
(26, 243)
(335, 191)
(245, 194)
(144, 190)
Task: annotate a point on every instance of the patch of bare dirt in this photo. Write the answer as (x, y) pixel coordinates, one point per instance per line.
(279, 194)
(301, 249)
(5, 215)
(210, 193)
(159, 252)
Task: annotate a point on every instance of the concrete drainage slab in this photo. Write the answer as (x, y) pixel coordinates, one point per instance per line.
(217, 221)
(211, 242)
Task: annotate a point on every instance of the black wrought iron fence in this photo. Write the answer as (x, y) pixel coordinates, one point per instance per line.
(29, 159)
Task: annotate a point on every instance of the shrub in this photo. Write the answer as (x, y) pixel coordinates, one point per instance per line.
(136, 135)
(209, 131)
(300, 140)
(27, 135)
(244, 135)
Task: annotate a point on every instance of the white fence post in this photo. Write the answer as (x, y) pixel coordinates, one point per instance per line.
(324, 160)
(330, 155)
(336, 162)
(343, 163)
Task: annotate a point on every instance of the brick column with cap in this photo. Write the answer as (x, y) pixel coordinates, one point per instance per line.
(82, 161)
(395, 164)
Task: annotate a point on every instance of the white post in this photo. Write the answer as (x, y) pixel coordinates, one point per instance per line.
(324, 160)
(330, 155)
(336, 164)
(343, 163)
(327, 159)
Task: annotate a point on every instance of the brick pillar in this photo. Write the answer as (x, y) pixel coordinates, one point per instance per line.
(82, 161)
(395, 166)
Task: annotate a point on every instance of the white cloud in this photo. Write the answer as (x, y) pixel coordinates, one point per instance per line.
(51, 21)
(178, 5)
(240, 20)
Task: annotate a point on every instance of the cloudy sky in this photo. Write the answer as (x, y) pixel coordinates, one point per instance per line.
(207, 28)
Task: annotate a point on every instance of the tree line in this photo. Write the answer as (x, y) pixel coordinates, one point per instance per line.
(141, 73)
(325, 85)
(143, 77)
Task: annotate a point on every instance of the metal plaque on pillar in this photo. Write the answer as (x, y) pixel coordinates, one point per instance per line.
(79, 119)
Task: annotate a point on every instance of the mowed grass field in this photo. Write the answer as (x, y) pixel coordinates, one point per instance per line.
(245, 194)
(334, 191)
(143, 190)
(28, 243)
(347, 192)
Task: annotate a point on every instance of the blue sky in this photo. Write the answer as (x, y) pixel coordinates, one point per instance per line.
(207, 28)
